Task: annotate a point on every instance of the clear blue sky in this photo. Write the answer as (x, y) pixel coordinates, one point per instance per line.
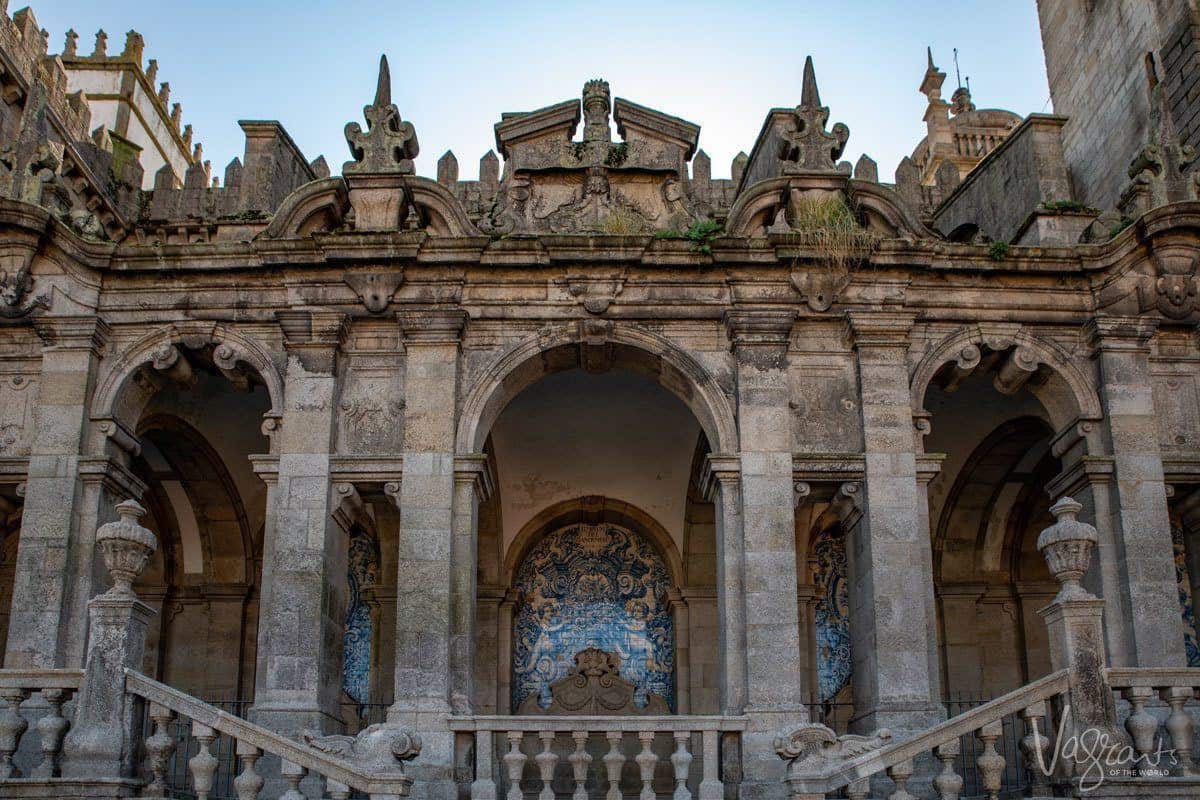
(456, 66)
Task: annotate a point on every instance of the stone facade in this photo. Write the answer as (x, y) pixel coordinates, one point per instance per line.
(808, 424)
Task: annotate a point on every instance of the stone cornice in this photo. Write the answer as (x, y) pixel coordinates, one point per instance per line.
(474, 468)
(1112, 333)
(719, 469)
(436, 325)
(759, 327)
(868, 329)
(73, 333)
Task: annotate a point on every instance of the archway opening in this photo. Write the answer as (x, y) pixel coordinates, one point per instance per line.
(196, 427)
(581, 543)
(986, 508)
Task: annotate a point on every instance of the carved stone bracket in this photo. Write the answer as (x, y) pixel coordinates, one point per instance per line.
(596, 294)
(375, 290)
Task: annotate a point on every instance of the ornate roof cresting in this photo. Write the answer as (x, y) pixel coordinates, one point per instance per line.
(389, 144)
(811, 146)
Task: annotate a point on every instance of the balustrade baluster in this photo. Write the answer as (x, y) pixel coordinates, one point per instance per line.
(292, 774)
(12, 726)
(580, 759)
(900, 773)
(1179, 724)
(681, 762)
(484, 786)
(514, 764)
(338, 791)
(52, 728)
(159, 747)
(711, 787)
(614, 759)
(646, 760)
(1036, 748)
(859, 789)
(948, 782)
(991, 763)
(249, 783)
(1141, 724)
(203, 765)
(545, 764)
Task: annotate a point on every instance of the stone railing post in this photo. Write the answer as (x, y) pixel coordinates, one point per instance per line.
(1075, 620)
(100, 745)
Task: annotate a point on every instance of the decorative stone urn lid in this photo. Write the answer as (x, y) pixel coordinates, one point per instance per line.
(126, 547)
(1067, 546)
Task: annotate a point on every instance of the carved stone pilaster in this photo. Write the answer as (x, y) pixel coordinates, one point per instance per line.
(431, 325)
(760, 336)
(313, 336)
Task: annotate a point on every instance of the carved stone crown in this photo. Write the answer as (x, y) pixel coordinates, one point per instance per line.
(594, 686)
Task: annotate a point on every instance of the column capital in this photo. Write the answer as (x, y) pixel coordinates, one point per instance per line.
(719, 470)
(759, 327)
(873, 329)
(473, 468)
(348, 505)
(112, 475)
(73, 333)
(1114, 333)
(848, 504)
(432, 325)
(314, 335)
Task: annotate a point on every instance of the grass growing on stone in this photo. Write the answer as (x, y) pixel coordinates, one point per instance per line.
(998, 251)
(829, 224)
(700, 233)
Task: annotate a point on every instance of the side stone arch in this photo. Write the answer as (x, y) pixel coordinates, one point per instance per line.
(638, 349)
(1069, 396)
(121, 392)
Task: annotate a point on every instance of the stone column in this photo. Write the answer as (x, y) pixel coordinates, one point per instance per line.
(775, 699)
(302, 612)
(100, 744)
(892, 620)
(504, 630)
(683, 653)
(428, 662)
(1143, 552)
(472, 485)
(41, 628)
(722, 488)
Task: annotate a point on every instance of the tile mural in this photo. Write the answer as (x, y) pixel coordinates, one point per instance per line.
(1186, 601)
(593, 586)
(362, 571)
(832, 614)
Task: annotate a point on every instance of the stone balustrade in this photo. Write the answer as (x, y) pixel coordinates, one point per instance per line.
(711, 739)
(820, 762)
(1176, 688)
(371, 762)
(53, 688)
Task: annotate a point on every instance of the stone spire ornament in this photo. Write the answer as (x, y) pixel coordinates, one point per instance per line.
(812, 147)
(1161, 172)
(126, 547)
(389, 144)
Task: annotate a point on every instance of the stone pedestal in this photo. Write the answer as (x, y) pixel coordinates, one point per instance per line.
(100, 744)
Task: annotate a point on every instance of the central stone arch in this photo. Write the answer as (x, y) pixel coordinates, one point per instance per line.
(596, 346)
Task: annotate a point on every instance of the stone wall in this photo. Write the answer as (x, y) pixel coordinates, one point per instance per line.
(1096, 64)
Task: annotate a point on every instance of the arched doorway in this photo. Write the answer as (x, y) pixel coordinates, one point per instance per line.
(621, 420)
(593, 585)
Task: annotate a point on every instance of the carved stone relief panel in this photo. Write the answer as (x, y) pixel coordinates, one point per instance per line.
(18, 399)
(825, 405)
(371, 407)
(1177, 403)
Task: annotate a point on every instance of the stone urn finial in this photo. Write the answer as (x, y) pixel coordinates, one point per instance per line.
(126, 547)
(1067, 546)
